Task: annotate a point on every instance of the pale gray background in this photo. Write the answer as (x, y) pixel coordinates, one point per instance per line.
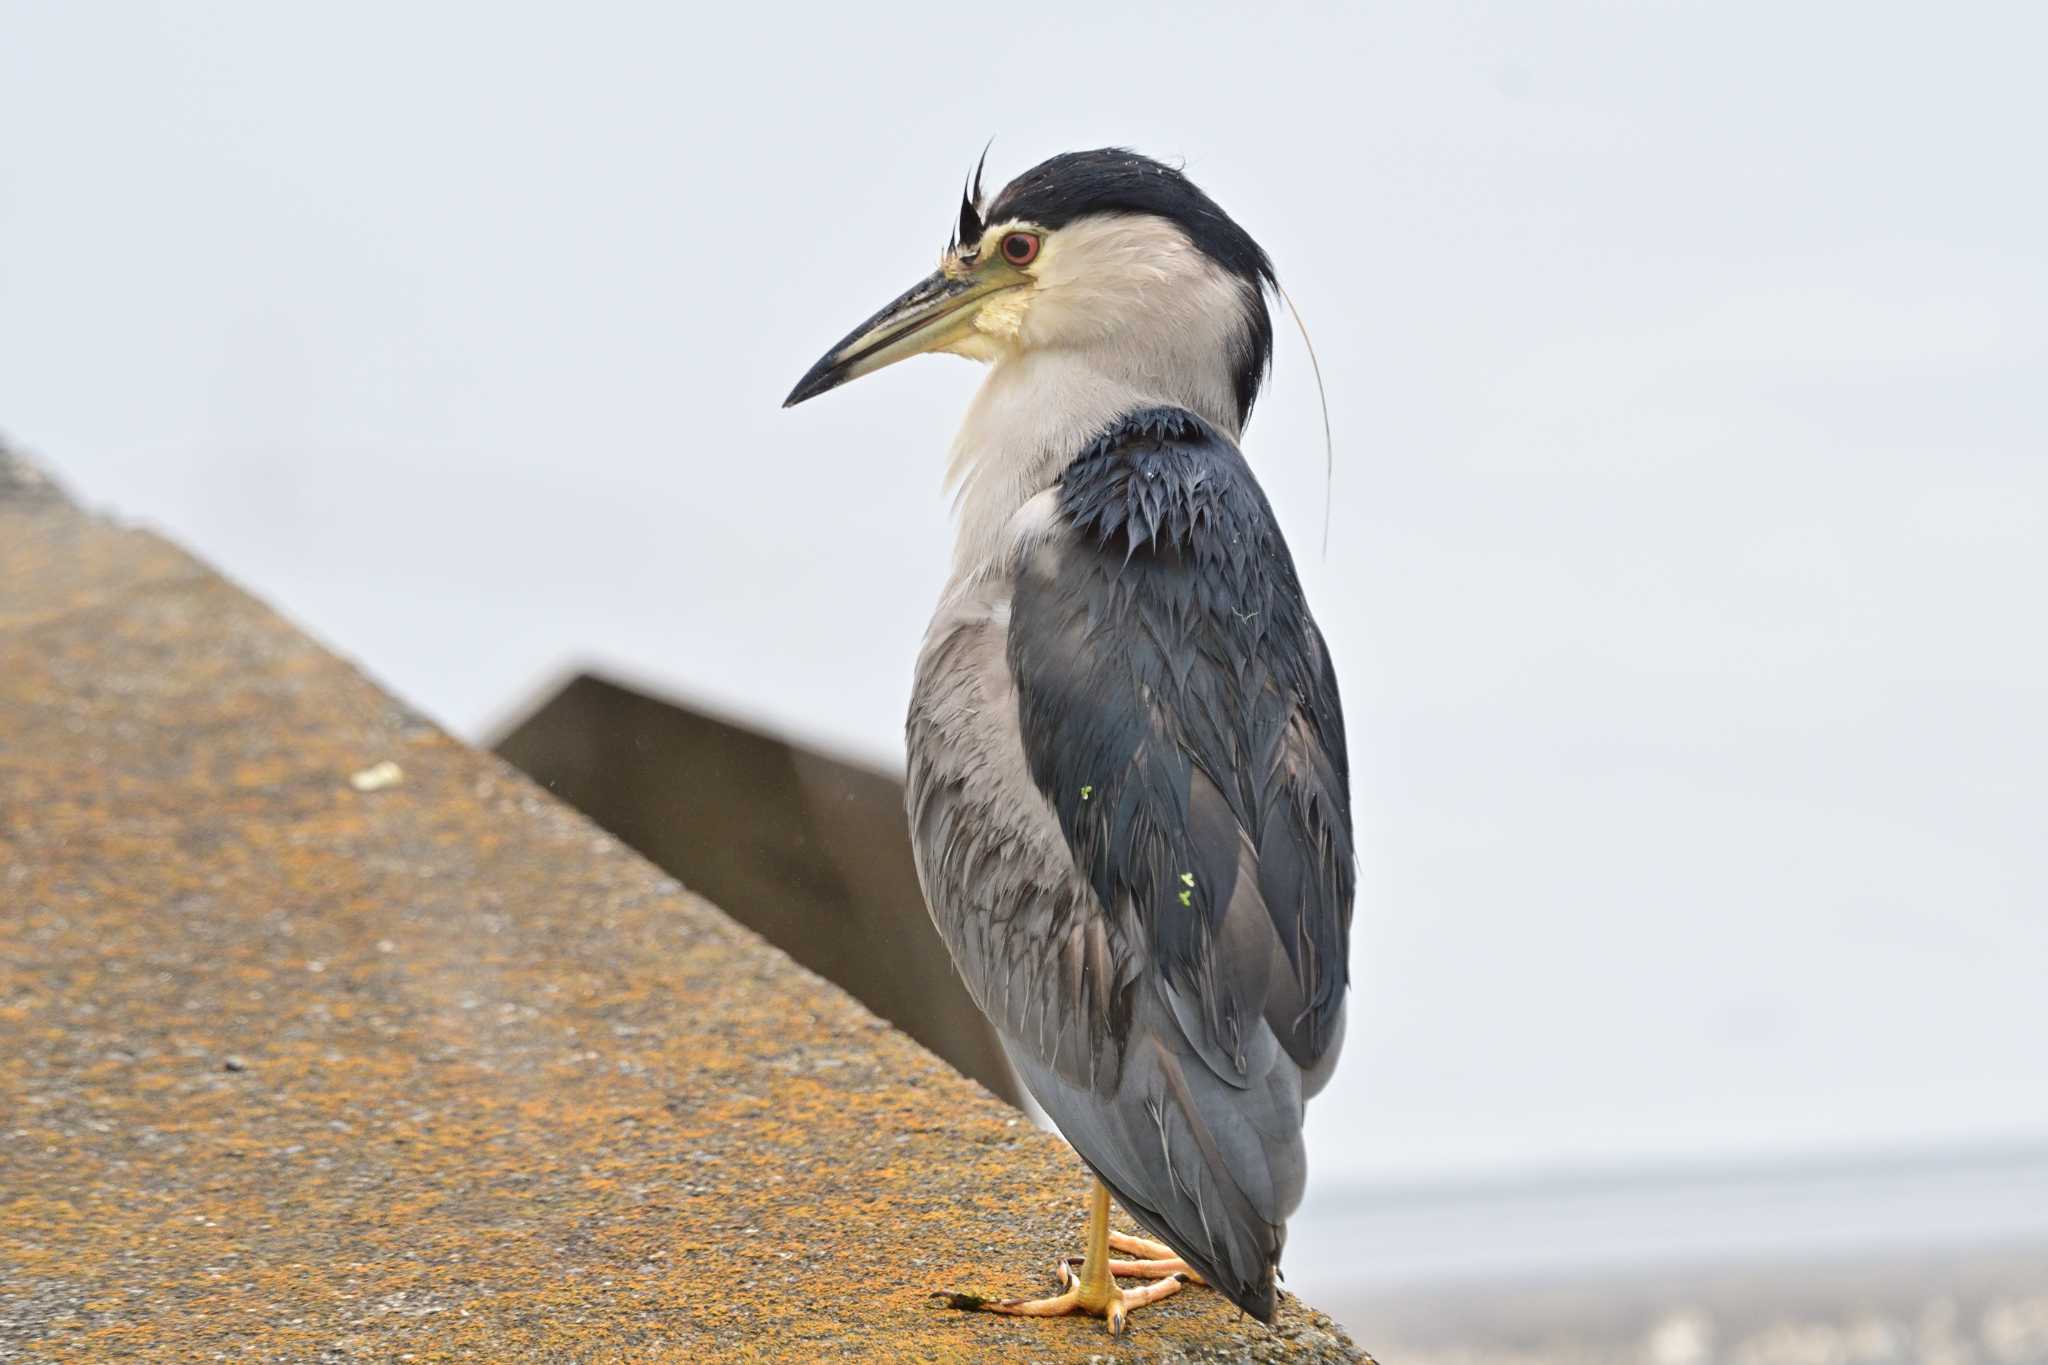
(1685, 583)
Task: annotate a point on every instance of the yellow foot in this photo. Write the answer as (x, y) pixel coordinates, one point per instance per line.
(1093, 1289)
(1113, 1303)
(1140, 1246)
(1152, 1260)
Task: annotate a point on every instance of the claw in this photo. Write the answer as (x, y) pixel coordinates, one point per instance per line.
(1092, 1289)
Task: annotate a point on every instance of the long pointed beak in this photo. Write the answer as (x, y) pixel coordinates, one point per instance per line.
(931, 314)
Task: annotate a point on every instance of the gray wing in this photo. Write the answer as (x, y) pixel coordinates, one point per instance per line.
(1128, 799)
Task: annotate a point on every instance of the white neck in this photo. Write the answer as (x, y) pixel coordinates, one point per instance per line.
(1035, 412)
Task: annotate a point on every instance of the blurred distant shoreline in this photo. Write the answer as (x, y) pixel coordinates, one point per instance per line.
(1903, 1205)
(1937, 1255)
(1987, 1305)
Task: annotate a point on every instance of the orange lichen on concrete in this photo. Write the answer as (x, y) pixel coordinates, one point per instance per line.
(294, 1070)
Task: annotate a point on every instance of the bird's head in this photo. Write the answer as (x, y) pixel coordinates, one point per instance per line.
(1105, 252)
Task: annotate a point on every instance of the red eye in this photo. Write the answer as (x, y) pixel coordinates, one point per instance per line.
(1020, 248)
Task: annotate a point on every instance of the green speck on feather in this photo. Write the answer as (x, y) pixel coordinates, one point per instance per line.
(1087, 792)
(1187, 898)
(1187, 879)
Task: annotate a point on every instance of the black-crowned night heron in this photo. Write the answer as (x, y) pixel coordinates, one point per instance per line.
(1127, 779)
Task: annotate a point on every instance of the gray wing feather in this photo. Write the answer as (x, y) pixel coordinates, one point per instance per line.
(1035, 951)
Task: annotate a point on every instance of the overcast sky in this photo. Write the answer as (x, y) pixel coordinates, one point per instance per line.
(1690, 517)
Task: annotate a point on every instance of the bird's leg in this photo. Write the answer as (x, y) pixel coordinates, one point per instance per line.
(1094, 1291)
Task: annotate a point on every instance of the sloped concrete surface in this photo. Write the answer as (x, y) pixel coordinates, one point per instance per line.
(296, 1067)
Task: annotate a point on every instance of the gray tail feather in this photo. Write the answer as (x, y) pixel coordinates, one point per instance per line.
(1211, 1167)
(1256, 1294)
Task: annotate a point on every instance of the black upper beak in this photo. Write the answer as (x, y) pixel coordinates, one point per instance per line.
(923, 318)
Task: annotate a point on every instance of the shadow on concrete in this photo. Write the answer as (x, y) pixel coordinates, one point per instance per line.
(810, 852)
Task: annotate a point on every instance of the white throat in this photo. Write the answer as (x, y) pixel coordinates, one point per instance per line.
(1035, 412)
